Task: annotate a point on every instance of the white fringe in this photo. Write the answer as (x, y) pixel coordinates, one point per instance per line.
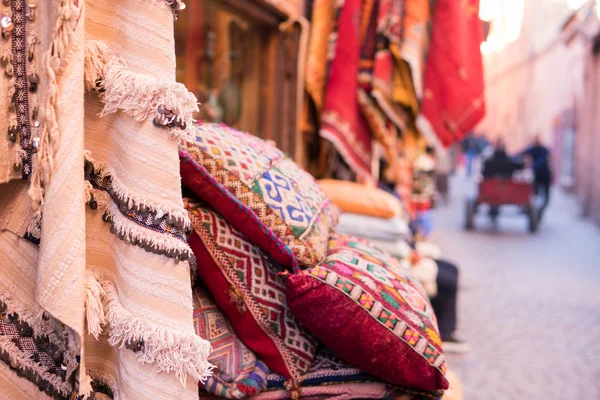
(125, 195)
(171, 350)
(131, 230)
(136, 94)
(93, 305)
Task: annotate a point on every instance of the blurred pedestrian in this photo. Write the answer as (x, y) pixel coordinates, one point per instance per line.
(470, 151)
(443, 168)
(540, 160)
(500, 164)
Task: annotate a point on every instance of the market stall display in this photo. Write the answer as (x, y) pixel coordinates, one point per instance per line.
(115, 285)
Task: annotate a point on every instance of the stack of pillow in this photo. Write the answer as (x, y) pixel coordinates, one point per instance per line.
(291, 308)
(373, 214)
(370, 213)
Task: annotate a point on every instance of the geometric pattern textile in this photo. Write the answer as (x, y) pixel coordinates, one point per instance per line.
(362, 304)
(331, 377)
(247, 287)
(32, 355)
(264, 194)
(237, 372)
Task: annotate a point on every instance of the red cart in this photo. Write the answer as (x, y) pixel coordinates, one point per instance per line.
(497, 192)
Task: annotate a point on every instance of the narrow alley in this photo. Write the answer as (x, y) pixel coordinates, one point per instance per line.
(529, 305)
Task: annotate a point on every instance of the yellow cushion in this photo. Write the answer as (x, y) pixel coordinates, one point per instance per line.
(355, 198)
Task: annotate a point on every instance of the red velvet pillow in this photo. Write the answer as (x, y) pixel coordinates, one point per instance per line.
(363, 305)
(264, 194)
(248, 289)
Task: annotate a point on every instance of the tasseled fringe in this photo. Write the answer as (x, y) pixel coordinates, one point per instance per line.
(53, 60)
(96, 56)
(94, 311)
(136, 94)
(133, 233)
(171, 350)
(124, 195)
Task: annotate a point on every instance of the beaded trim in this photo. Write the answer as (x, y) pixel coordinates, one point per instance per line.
(33, 357)
(155, 220)
(23, 83)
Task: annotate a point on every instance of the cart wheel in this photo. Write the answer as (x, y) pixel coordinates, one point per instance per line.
(470, 214)
(534, 220)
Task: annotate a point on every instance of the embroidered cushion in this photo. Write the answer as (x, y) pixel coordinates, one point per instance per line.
(377, 317)
(356, 198)
(330, 377)
(248, 289)
(264, 194)
(238, 373)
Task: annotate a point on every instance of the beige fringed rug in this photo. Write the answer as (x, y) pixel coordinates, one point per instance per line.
(108, 286)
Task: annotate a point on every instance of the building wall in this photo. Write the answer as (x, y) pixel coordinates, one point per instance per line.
(536, 83)
(532, 80)
(587, 149)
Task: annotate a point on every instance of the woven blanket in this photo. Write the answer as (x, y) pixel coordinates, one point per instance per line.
(95, 266)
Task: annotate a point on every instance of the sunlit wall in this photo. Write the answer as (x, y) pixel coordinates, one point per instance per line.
(531, 75)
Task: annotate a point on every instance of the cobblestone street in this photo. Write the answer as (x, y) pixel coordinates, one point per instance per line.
(529, 305)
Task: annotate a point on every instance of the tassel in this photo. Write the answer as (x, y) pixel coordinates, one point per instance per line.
(93, 305)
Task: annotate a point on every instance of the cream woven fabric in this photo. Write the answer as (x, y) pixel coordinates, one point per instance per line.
(111, 272)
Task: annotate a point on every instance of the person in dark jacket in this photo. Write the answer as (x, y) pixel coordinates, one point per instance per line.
(540, 159)
(500, 164)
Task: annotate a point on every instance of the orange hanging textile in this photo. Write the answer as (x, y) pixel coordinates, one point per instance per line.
(453, 99)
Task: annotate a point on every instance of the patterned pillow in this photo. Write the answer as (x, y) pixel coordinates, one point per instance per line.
(331, 377)
(238, 372)
(264, 194)
(248, 289)
(377, 317)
